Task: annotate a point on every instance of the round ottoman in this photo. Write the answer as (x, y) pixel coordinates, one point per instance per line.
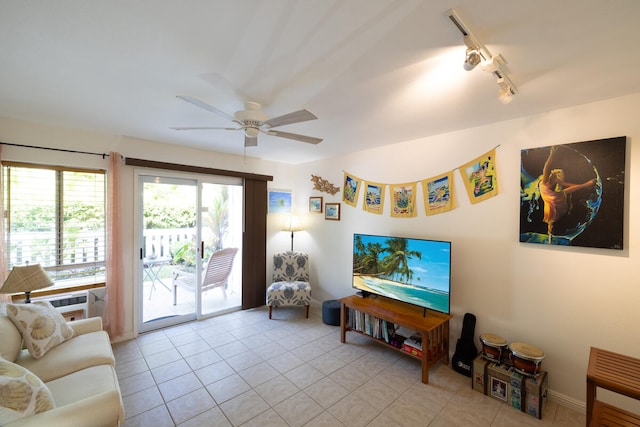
(331, 312)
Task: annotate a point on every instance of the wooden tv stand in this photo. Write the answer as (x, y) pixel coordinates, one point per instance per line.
(433, 326)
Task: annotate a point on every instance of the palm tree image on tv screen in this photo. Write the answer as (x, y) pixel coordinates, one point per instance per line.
(416, 271)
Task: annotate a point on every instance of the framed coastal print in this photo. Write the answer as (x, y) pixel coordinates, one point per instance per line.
(332, 211)
(315, 204)
(279, 201)
(574, 194)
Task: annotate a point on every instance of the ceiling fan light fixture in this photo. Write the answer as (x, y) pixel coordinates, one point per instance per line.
(251, 113)
(252, 120)
(251, 132)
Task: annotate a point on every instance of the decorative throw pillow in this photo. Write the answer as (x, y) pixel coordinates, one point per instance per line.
(41, 326)
(10, 338)
(21, 393)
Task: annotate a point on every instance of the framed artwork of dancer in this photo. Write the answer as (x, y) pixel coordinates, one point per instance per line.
(573, 194)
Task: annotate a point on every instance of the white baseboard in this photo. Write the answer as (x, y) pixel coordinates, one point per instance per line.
(567, 402)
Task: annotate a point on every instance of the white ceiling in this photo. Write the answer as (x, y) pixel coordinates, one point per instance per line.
(375, 72)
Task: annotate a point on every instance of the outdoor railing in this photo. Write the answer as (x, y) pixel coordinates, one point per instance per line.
(163, 242)
(88, 247)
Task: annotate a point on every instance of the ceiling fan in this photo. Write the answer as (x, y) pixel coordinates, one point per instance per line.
(252, 120)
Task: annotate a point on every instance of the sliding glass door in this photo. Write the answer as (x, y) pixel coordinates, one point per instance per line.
(168, 219)
(221, 229)
(185, 225)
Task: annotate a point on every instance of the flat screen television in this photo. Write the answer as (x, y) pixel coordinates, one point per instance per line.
(416, 271)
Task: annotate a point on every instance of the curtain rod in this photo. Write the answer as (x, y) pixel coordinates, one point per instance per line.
(103, 155)
(129, 161)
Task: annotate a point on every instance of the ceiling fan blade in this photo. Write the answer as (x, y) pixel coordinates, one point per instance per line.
(223, 86)
(302, 138)
(295, 117)
(202, 128)
(250, 142)
(206, 106)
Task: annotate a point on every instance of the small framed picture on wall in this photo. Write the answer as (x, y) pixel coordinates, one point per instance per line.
(332, 211)
(279, 201)
(315, 204)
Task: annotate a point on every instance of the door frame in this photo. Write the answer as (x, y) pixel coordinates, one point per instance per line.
(199, 180)
(146, 176)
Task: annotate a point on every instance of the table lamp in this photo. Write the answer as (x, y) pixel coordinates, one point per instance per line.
(25, 279)
(293, 225)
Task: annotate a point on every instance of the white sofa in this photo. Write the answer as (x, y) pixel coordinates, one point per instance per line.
(79, 374)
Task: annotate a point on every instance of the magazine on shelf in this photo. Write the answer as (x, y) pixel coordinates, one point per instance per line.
(405, 332)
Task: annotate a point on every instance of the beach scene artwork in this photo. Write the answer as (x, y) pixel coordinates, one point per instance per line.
(438, 193)
(279, 201)
(374, 201)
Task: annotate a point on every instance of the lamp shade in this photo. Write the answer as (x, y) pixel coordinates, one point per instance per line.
(292, 224)
(25, 279)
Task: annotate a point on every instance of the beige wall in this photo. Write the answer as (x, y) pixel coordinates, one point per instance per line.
(560, 299)
(563, 300)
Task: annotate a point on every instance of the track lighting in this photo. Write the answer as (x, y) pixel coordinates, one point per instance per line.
(473, 56)
(472, 59)
(493, 64)
(504, 96)
(505, 92)
(477, 53)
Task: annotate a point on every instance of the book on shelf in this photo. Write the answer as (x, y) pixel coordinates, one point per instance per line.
(370, 325)
(411, 349)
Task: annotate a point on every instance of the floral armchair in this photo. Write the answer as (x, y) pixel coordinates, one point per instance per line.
(290, 284)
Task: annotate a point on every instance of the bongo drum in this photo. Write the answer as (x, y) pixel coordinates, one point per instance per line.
(526, 358)
(492, 346)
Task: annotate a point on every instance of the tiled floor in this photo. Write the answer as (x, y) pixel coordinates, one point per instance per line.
(242, 369)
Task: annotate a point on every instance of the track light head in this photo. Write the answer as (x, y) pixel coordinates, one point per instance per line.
(505, 92)
(472, 59)
(504, 96)
(473, 56)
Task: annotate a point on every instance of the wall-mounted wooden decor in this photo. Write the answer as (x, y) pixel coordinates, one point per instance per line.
(323, 185)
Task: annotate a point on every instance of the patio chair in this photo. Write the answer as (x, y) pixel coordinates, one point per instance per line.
(215, 275)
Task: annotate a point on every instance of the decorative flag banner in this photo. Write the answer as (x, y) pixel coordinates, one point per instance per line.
(374, 197)
(403, 200)
(438, 193)
(351, 189)
(480, 178)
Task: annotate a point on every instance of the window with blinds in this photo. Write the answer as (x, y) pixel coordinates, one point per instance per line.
(56, 217)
